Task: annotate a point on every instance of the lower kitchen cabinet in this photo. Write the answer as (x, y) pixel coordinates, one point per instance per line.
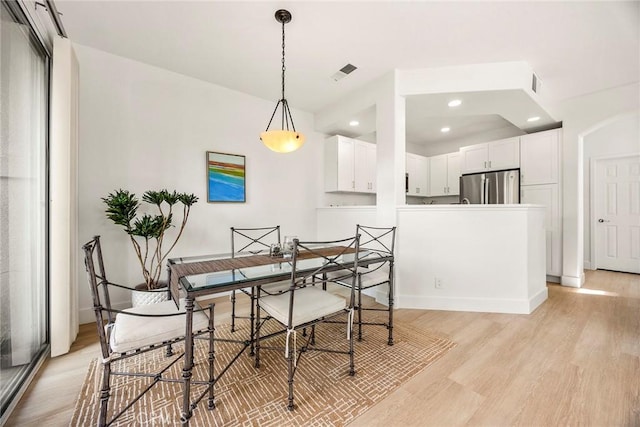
(548, 196)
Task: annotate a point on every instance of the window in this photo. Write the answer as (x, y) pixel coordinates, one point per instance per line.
(24, 87)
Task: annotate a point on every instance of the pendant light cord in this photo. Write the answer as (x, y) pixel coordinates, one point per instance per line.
(283, 67)
(287, 120)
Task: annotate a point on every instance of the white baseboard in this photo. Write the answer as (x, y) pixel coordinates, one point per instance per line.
(573, 282)
(483, 305)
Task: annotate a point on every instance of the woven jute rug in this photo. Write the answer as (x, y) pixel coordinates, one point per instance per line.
(325, 394)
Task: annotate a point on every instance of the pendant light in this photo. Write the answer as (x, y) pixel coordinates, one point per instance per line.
(282, 140)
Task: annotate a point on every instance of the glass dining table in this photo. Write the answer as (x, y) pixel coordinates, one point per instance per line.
(208, 275)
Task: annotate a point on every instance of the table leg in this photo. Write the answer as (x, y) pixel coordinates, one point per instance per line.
(252, 318)
(212, 358)
(188, 362)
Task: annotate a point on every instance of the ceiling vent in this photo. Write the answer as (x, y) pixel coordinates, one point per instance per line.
(343, 72)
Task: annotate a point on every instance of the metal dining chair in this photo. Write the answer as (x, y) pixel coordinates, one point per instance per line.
(304, 306)
(254, 241)
(135, 331)
(378, 242)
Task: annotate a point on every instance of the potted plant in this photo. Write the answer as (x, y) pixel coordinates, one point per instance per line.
(147, 232)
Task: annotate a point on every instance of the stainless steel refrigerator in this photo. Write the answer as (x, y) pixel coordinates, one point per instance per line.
(501, 187)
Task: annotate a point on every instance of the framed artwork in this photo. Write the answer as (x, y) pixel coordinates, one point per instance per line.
(225, 177)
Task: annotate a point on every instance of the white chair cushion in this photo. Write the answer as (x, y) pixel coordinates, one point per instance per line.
(376, 277)
(276, 287)
(309, 303)
(368, 279)
(132, 332)
(341, 276)
(271, 288)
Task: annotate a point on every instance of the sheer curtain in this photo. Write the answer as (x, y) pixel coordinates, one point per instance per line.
(23, 203)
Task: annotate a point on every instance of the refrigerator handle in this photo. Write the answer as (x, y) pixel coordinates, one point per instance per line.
(483, 183)
(508, 186)
(513, 188)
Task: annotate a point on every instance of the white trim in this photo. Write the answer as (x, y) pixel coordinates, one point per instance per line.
(573, 282)
(593, 163)
(483, 305)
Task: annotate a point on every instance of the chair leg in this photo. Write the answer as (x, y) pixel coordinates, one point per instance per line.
(352, 367)
(257, 338)
(291, 372)
(312, 338)
(359, 307)
(169, 352)
(105, 393)
(390, 342)
(233, 311)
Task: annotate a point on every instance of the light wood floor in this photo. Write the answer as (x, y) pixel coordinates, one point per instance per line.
(574, 361)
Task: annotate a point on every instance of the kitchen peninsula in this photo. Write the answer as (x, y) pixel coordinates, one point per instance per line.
(487, 258)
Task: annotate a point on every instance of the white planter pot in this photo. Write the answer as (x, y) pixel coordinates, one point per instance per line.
(145, 297)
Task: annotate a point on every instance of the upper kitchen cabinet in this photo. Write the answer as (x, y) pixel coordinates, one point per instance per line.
(349, 165)
(539, 157)
(494, 155)
(444, 175)
(365, 167)
(417, 168)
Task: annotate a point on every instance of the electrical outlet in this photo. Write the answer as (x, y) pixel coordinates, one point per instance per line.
(438, 283)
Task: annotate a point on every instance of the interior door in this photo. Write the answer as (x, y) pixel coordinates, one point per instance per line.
(617, 214)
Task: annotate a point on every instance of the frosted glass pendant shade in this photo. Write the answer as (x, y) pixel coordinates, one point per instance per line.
(282, 141)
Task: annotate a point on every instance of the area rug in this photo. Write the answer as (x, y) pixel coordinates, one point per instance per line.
(325, 394)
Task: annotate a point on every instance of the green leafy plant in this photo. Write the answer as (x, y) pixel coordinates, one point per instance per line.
(147, 231)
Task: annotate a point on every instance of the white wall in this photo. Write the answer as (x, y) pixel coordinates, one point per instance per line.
(144, 128)
(619, 137)
(581, 116)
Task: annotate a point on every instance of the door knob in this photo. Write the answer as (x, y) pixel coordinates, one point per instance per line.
(602, 220)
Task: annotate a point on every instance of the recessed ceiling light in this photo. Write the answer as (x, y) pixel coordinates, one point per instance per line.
(445, 129)
(454, 103)
(533, 119)
(354, 123)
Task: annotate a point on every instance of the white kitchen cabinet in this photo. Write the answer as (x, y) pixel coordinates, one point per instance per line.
(473, 158)
(417, 168)
(548, 196)
(365, 167)
(539, 157)
(349, 165)
(488, 156)
(453, 174)
(444, 175)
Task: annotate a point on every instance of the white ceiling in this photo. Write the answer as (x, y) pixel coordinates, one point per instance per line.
(574, 47)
